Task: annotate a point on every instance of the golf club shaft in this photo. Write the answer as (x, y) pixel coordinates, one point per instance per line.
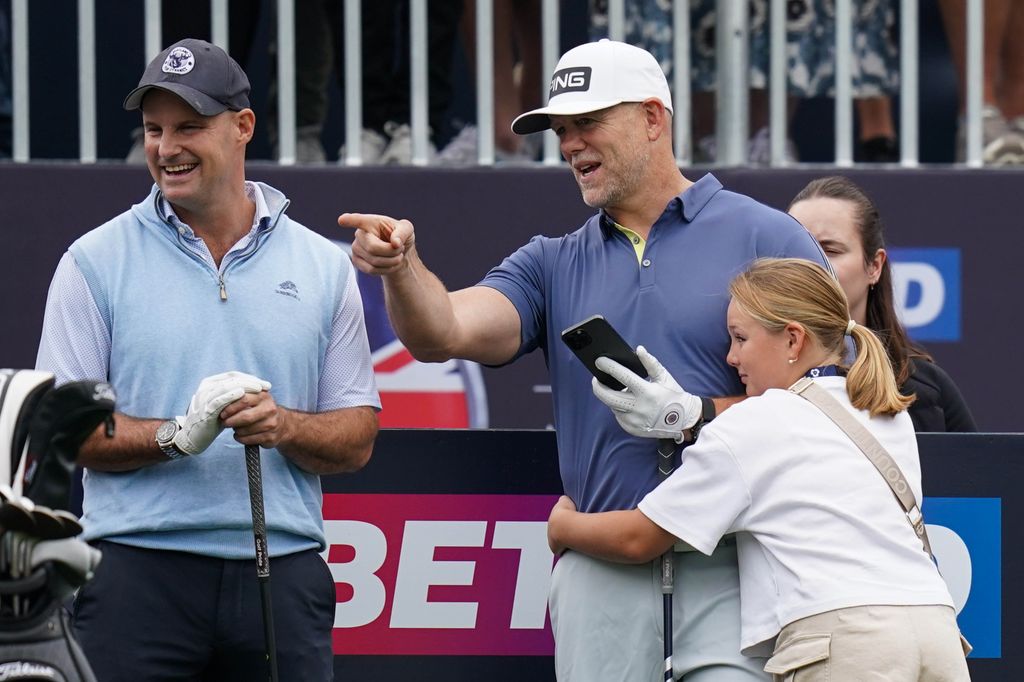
(666, 463)
(259, 531)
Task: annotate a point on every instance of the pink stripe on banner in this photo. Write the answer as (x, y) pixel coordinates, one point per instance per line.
(440, 574)
(418, 409)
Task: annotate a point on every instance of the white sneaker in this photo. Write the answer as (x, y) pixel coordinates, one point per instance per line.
(399, 150)
(759, 148)
(1002, 144)
(137, 153)
(461, 150)
(372, 145)
(308, 148)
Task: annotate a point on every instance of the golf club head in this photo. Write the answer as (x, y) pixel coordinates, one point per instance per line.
(48, 525)
(16, 518)
(72, 526)
(15, 514)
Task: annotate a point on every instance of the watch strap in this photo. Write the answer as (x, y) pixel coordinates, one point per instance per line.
(707, 413)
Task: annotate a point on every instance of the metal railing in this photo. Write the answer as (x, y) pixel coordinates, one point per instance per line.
(732, 78)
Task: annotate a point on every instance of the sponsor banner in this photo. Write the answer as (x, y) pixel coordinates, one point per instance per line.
(927, 283)
(965, 534)
(469, 574)
(440, 574)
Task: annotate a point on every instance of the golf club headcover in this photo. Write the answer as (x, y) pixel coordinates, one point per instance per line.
(63, 419)
(20, 393)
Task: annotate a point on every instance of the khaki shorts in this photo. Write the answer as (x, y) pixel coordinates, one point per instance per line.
(895, 643)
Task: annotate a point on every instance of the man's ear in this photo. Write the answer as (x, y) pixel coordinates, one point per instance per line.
(656, 117)
(245, 120)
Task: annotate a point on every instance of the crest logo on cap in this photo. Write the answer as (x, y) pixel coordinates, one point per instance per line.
(179, 60)
(575, 79)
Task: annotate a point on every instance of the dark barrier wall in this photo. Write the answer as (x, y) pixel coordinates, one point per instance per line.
(439, 555)
(956, 235)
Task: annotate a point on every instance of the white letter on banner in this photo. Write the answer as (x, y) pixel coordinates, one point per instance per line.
(417, 571)
(371, 547)
(954, 560)
(530, 602)
(933, 292)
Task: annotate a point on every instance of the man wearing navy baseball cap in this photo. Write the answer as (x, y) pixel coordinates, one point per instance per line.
(206, 301)
(655, 261)
(200, 73)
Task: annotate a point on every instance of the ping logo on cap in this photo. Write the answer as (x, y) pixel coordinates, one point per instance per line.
(179, 60)
(575, 79)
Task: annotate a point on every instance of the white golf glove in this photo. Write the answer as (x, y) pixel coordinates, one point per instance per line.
(201, 424)
(656, 407)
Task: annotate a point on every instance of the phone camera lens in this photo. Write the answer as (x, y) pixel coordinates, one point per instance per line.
(579, 339)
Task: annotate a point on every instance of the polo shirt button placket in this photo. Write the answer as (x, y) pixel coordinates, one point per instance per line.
(647, 262)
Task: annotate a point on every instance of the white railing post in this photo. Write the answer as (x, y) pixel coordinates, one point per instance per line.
(550, 53)
(286, 82)
(909, 67)
(732, 49)
(485, 81)
(778, 84)
(681, 97)
(19, 75)
(975, 49)
(86, 81)
(419, 106)
(353, 84)
(843, 83)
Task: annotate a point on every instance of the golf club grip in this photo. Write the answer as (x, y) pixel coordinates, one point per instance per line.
(666, 457)
(259, 524)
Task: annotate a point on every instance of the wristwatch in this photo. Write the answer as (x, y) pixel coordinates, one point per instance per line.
(707, 413)
(165, 434)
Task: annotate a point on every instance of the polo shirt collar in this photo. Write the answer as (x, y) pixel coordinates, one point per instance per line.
(692, 201)
(260, 220)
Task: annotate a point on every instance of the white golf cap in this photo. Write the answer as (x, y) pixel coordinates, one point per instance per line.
(596, 76)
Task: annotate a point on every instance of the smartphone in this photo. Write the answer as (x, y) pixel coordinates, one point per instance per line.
(593, 338)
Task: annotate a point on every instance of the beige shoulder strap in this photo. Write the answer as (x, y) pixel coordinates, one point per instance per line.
(872, 449)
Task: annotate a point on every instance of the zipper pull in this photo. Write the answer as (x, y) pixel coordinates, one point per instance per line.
(223, 288)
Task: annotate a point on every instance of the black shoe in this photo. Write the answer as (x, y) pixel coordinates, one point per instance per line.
(880, 150)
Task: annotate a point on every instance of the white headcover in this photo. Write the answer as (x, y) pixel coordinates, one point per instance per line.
(20, 391)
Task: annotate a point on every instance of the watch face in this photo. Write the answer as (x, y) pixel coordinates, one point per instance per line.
(166, 432)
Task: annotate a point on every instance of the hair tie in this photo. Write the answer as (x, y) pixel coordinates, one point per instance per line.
(849, 327)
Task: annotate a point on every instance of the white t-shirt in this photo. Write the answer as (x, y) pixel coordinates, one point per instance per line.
(817, 526)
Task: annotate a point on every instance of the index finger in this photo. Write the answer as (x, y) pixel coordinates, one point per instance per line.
(381, 226)
(625, 376)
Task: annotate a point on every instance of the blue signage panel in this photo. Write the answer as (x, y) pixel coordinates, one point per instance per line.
(927, 283)
(966, 536)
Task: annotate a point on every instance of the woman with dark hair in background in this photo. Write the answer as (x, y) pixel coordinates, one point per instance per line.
(847, 224)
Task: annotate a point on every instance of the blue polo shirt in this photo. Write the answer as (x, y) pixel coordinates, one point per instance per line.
(673, 302)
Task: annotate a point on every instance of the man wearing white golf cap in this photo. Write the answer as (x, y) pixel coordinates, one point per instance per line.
(656, 261)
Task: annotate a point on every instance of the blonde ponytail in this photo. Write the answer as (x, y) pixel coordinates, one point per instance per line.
(871, 383)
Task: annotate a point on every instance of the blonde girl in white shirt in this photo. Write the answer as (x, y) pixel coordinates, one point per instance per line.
(834, 583)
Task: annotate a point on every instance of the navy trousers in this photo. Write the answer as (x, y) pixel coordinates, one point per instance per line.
(159, 615)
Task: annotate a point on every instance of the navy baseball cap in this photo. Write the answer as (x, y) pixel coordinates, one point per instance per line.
(200, 73)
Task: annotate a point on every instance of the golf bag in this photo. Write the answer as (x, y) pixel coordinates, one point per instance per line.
(42, 562)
